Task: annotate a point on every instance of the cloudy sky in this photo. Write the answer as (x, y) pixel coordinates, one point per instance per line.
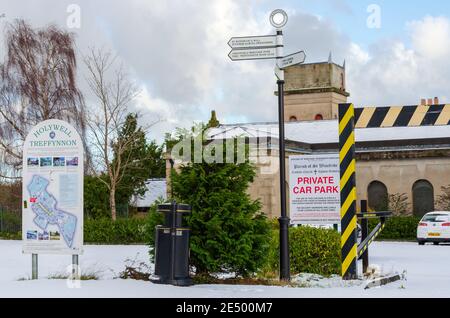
(176, 50)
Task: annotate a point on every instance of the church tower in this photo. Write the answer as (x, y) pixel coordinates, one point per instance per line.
(314, 91)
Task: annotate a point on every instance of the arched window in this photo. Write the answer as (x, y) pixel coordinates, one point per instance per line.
(318, 117)
(378, 196)
(293, 118)
(423, 197)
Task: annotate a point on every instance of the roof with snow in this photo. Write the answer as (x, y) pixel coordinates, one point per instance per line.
(156, 189)
(326, 132)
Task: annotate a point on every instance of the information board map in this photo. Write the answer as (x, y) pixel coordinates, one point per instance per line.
(44, 205)
(52, 189)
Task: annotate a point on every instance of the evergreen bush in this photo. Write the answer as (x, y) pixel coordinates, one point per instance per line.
(229, 234)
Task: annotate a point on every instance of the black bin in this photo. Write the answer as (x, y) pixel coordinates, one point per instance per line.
(172, 246)
(162, 251)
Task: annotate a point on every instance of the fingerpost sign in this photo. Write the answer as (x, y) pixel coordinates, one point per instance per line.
(271, 47)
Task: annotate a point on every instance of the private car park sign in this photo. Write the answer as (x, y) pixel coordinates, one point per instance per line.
(52, 190)
(314, 189)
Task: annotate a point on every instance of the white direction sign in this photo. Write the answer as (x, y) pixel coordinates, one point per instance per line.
(314, 193)
(253, 54)
(253, 41)
(52, 190)
(292, 59)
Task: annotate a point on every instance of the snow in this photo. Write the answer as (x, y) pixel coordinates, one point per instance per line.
(426, 266)
(326, 132)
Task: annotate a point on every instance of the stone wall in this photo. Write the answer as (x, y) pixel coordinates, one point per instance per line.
(313, 89)
(305, 107)
(399, 176)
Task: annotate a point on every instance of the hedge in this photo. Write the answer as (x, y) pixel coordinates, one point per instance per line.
(105, 231)
(398, 228)
(312, 250)
(133, 231)
(121, 231)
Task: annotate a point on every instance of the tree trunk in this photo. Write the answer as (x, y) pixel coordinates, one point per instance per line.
(112, 203)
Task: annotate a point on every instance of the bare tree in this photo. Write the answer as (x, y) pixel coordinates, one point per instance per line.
(114, 93)
(37, 82)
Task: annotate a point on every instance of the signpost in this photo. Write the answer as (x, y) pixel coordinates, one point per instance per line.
(253, 54)
(271, 47)
(52, 191)
(293, 59)
(314, 189)
(253, 41)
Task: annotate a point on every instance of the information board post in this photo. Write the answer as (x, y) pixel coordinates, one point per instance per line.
(75, 267)
(34, 266)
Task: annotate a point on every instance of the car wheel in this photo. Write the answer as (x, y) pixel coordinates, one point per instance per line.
(421, 243)
(435, 243)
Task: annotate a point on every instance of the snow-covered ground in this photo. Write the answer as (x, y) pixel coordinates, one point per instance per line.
(426, 266)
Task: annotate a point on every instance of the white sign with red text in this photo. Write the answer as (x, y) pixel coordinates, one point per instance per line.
(314, 194)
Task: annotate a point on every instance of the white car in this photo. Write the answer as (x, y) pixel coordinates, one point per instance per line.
(434, 227)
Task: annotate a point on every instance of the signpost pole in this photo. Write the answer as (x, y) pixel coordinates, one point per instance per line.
(284, 219)
(271, 47)
(34, 266)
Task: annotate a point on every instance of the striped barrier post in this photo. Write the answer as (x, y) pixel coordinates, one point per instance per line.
(348, 190)
(365, 244)
(370, 117)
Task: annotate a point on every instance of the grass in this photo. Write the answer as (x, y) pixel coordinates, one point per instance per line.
(88, 274)
(67, 276)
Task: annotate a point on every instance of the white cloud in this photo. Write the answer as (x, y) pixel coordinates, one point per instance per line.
(391, 73)
(177, 52)
(431, 37)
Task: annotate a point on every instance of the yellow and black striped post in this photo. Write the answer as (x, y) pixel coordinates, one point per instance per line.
(348, 190)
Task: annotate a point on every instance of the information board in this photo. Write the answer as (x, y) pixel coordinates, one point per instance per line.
(52, 189)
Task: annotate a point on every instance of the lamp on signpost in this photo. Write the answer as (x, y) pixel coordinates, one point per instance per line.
(278, 19)
(271, 47)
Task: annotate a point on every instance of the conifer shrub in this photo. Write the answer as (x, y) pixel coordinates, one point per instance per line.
(229, 233)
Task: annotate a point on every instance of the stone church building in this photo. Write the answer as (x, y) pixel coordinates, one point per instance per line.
(413, 160)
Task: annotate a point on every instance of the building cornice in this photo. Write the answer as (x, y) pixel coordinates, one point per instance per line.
(315, 91)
